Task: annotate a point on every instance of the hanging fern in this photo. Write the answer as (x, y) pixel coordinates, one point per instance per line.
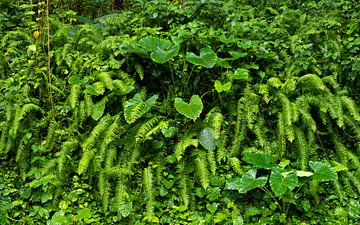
(202, 171)
(281, 135)
(302, 147)
(183, 144)
(236, 165)
(73, 98)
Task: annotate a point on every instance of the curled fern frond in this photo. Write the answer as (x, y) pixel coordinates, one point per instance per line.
(331, 81)
(312, 82)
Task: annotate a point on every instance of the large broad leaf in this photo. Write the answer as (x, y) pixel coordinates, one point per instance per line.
(323, 171)
(207, 139)
(83, 213)
(259, 160)
(161, 50)
(240, 74)
(98, 109)
(162, 55)
(247, 182)
(136, 107)
(192, 109)
(280, 183)
(207, 58)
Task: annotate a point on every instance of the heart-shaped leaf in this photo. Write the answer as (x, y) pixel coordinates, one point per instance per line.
(98, 109)
(207, 139)
(161, 50)
(247, 182)
(240, 74)
(323, 171)
(192, 109)
(219, 87)
(282, 182)
(162, 55)
(207, 58)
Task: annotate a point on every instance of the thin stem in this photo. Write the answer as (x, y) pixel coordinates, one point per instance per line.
(49, 60)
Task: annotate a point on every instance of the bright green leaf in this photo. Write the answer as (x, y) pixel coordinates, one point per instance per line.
(207, 58)
(246, 182)
(281, 183)
(192, 109)
(136, 107)
(323, 171)
(207, 139)
(259, 160)
(83, 213)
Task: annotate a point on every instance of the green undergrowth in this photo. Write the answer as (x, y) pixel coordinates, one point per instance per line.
(180, 112)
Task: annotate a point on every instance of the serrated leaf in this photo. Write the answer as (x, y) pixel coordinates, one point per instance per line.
(136, 107)
(207, 58)
(280, 183)
(323, 171)
(191, 110)
(246, 182)
(259, 160)
(207, 139)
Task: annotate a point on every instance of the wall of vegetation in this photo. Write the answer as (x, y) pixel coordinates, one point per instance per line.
(179, 112)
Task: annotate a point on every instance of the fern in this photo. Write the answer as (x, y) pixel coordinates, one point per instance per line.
(183, 144)
(338, 189)
(281, 135)
(51, 136)
(140, 70)
(215, 120)
(148, 128)
(312, 82)
(260, 131)
(222, 150)
(212, 161)
(354, 127)
(354, 179)
(105, 78)
(89, 104)
(136, 107)
(97, 131)
(313, 188)
(349, 104)
(303, 148)
(149, 191)
(330, 80)
(66, 148)
(184, 192)
(73, 98)
(335, 109)
(236, 165)
(85, 160)
(287, 115)
(202, 171)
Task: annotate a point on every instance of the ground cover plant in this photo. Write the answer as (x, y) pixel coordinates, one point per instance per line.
(179, 112)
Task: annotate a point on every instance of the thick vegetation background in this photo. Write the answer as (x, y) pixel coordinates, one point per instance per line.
(179, 112)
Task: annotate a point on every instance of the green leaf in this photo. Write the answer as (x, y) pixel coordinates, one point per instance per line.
(161, 50)
(207, 139)
(162, 55)
(120, 88)
(247, 182)
(98, 109)
(125, 208)
(220, 87)
(280, 183)
(191, 110)
(259, 160)
(207, 58)
(323, 171)
(83, 213)
(77, 80)
(212, 207)
(240, 74)
(136, 107)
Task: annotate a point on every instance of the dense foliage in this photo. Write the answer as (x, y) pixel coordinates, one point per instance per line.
(180, 112)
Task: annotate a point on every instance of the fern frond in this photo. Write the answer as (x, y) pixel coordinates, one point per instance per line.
(148, 184)
(287, 115)
(137, 107)
(335, 109)
(66, 148)
(85, 160)
(135, 153)
(303, 147)
(89, 104)
(73, 98)
(202, 171)
(260, 131)
(354, 127)
(96, 132)
(354, 179)
(105, 78)
(125, 77)
(110, 157)
(112, 131)
(184, 192)
(149, 128)
(264, 91)
(339, 190)
(350, 105)
(236, 165)
(19, 115)
(304, 109)
(183, 144)
(104, 190)
(312, 82)
(212, 161)
(51, 136)
(222, 151)
(330, 80)
(288, 87)
(341, 150)
(313, 188)
(281, 135)
(140, 70)
(275, 82)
